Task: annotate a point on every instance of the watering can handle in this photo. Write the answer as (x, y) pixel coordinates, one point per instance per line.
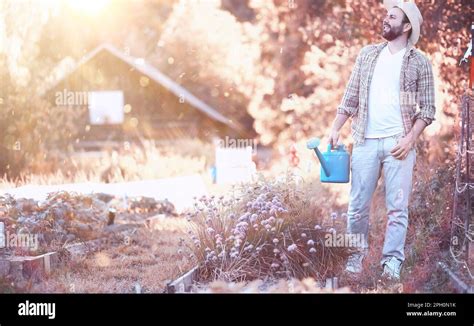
(329, 147)
(338, 147)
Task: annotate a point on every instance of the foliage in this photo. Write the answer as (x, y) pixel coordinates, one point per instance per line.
(270, 229)
(277, 66)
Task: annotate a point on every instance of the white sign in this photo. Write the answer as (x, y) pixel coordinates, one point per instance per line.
(234, 165)
(105, 107)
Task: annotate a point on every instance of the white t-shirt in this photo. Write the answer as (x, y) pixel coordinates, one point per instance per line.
(385, 115)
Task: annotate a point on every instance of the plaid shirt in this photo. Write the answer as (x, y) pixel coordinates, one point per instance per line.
(417, 100)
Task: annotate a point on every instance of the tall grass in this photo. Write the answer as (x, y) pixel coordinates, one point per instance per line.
(428, 235)
(143, 160)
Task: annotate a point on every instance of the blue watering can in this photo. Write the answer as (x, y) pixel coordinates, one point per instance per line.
(335, 165)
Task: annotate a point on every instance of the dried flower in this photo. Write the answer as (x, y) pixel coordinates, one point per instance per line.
(292, 247)
(248, 248)
(242, 225)
(310, 243)
(312, 250)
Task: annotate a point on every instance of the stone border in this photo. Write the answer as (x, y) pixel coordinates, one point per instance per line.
(183, 283)
(36, 267)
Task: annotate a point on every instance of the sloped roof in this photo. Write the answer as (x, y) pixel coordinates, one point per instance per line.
(153, 73)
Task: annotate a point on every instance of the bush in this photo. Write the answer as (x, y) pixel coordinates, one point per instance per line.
(33, 135)
(268, 229)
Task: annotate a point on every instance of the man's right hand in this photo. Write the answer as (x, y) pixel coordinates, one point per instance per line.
(336, 126)
(333, 138)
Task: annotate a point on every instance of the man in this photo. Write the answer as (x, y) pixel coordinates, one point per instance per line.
(388, 83)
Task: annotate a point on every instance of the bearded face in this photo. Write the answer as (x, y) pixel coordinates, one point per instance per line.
(390, 32)
(393, 24)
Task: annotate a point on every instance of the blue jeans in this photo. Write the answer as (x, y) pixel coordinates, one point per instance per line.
(367, 163)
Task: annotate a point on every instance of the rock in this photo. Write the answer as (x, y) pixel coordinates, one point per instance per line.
(104, 197)
(70, 237)
(116, 228)
(82, 227)
(26, 205)
(138, 288)
(4, 268)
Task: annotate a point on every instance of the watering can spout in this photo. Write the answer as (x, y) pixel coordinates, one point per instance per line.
(313, 143)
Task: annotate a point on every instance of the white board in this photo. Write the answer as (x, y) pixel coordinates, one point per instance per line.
(234, 165)
(105, 107)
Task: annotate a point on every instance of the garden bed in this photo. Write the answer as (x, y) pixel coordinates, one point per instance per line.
(19, 268)
(42, 236)
(66, 218)
(266, 232)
